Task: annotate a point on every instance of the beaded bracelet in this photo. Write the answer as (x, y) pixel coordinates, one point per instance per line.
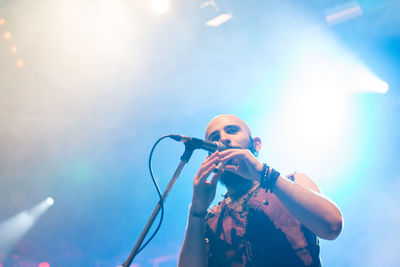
(268, 178)
(272, 179)
(264, 176)
(196, 214)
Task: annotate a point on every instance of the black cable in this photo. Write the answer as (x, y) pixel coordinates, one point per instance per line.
(161, 202)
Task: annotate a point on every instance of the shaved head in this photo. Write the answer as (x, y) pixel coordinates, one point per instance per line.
(226, 119)
(234, 133)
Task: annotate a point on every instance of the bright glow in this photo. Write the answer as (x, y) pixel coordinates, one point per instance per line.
(15, 227)
(382, 87)
(336, 68)
(160, 6)
(215, 22)
(210, 3)
(13, 49)
(362, 80)
(314, 118)
(44, 264)
(20, 63)
(315, 122)
(343, 12)
(7, 35)
(50, 201)
(2, 21)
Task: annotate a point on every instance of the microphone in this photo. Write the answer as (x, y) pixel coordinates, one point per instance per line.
(197, 143)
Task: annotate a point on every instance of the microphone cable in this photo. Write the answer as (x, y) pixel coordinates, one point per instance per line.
(158, 192)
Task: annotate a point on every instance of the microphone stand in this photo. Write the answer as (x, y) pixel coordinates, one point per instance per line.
(189, 148)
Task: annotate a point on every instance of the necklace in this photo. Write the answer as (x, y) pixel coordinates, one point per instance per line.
(242, 192)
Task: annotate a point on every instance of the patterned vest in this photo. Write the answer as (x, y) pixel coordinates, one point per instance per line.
(258, 230)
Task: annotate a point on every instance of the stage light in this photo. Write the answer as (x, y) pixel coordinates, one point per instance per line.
(2, 21)
(13, 49)
(44, 264)
(12, 229)
(343, 12)
(50, 201)
(363, 80)
(160, 6)
(382, 87)
(20, 63)
(7, 35)
(215, 22)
